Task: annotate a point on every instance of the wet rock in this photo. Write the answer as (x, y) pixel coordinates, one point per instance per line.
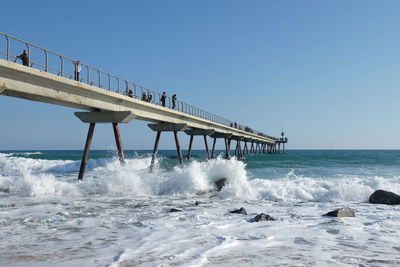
(384, 197)
(197, 203)
(5, 190)
(175, 210)
(240, 211)
(220, 183)
(344, 212)
(215, 197)
(262, 217)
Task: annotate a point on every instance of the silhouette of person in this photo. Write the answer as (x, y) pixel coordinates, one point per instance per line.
(129, 92)
(163, 98)
(24, 58)
(78, 69)
(174, 101)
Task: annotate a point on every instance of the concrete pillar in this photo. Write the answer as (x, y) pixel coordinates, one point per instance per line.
(190, 147)
(178, 147)
(167, 127)
(86, 151)
(153, 156)
(227, 148)
(213, 148)
(204, 132)
(117, 136)
(113, 117)
(240, 150)
(206, 145)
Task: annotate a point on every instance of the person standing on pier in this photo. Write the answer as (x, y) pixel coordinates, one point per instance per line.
(144, 96)
(174, 101)
(78, 69)
(163, 98)
(129, 92)
(25, 58)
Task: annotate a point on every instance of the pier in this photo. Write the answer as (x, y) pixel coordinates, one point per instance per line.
(107, 98)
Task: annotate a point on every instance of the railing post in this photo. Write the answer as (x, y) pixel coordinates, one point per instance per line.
(46, 67)
(62, 66)
(109, 82)
(127, 88)
(88, 74)
(29, 54)
(98, 73)
(8, 48)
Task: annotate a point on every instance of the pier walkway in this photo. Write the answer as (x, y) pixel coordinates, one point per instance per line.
(49, 77)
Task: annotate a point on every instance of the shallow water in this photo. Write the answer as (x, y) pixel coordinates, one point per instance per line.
(119, 216)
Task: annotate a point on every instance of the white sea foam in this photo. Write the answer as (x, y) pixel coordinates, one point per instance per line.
(26, 176)
(119, 216)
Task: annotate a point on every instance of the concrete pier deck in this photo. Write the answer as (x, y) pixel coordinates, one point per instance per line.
(33, 84)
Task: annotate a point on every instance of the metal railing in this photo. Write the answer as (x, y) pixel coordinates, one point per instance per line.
(56, 63)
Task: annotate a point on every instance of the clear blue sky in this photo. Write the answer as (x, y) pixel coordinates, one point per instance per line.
(328, 71)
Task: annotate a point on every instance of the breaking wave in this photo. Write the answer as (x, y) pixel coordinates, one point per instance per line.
(39, 177)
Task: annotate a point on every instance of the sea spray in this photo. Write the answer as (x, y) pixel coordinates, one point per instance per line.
(105, 176)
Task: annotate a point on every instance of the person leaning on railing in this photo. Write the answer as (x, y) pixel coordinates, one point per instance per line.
(25, 58)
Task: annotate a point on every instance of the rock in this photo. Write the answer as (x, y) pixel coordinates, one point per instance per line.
(215, 197)
(262, 217)
(344, 212)
(197, 203)
(5, 190)
(220, 183)
(384, 197)
(240, 211)
(175, 210)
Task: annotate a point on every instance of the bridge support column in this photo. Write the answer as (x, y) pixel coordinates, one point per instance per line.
(153, 156)
(178, 147)
(117, 136)
(237, 148)
(113, 117)
(206, 145)
(194, 131)
(86, 151)
(245, 150)
(224, 136)
(252, 148)
(213, 148)
(240, 150)
(227, 148)
(167, 127)
(190, 147)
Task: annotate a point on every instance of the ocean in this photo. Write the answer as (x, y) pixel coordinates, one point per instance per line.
(120, 215)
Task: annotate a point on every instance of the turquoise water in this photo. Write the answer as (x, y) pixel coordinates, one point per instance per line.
(305, 163)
